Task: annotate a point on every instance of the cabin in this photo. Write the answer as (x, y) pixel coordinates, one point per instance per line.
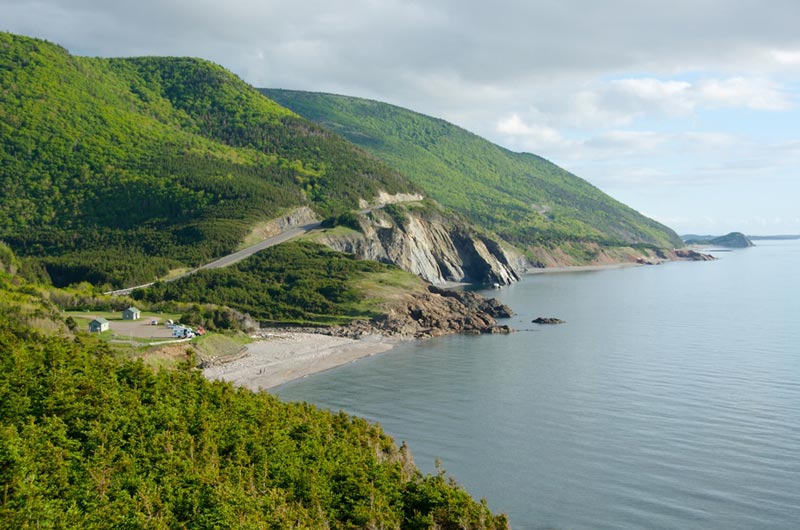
(131, 314)
(98, 325)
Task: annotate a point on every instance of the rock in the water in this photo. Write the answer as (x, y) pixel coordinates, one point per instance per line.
(692, 255)
(548, 320)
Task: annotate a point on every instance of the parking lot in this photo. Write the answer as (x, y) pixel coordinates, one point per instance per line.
(136, 329)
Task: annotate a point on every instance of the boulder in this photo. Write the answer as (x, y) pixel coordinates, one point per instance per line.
(548, 320)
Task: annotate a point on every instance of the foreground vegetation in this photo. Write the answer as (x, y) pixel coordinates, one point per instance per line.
(117, 170)
(91, 440)
(522, 197)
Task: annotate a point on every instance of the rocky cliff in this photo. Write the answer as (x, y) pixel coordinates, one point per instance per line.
(433, 313)
(428, 243)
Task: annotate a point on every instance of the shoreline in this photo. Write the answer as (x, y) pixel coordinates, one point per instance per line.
(278, 357)
(582, 268)
(281, 357)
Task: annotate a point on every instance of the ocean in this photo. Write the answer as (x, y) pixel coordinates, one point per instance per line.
(669, 399)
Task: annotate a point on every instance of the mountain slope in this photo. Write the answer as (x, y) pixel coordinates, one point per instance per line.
(522, 197)
(117, 170)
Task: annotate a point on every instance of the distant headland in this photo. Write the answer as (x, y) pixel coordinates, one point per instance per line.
(731, 240)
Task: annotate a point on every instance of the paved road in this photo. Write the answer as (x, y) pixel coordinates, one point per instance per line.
(230, 259)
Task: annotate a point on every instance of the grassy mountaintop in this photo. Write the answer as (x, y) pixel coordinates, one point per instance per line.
(522, 197)
(118, 169)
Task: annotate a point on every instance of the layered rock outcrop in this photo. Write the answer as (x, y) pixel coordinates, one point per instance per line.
(432, 246)
(297, 217)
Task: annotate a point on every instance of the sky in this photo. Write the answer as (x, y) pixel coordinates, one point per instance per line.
(688, 111)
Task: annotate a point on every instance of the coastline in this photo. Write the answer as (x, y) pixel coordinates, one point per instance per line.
(582, 268)
(676, 255)
(280, 357)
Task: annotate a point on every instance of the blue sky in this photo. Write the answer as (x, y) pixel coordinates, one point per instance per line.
(685, 110)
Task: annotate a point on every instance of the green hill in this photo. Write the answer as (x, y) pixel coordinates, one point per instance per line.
(116, 170)
(91, 440)
(731, 240)
(522, 197)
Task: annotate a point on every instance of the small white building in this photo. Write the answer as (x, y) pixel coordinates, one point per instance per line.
(131, 313)
(98, 325)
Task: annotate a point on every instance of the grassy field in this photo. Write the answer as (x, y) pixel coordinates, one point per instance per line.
(382, 289)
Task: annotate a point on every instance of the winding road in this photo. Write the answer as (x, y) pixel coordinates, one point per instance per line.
(234, 257)
(230, 259)
(239, 255)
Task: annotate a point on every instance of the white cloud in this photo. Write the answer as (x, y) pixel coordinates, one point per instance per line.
(757, 94)
(632, 97)
(586, 108)
(514, 126)
(625, 143)
(785, 57)
(675, 95)
(532, 137)
(711, 140)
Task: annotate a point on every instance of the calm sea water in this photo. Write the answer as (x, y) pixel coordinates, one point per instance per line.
(670, 399)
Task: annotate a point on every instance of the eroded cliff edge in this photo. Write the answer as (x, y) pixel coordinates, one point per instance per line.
(428, 243)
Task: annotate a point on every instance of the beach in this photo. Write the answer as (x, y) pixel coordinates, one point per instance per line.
(279, 357)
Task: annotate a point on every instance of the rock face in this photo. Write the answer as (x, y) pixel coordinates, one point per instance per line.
(297, 217)
(431, 246)
(434, 313)
(692, 255)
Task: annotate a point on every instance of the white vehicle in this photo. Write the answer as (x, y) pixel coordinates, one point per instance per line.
(182, 332)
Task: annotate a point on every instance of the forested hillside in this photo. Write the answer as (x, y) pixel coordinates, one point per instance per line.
(115, 170)
(295, 282)
(89, 440)
(522, 197)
